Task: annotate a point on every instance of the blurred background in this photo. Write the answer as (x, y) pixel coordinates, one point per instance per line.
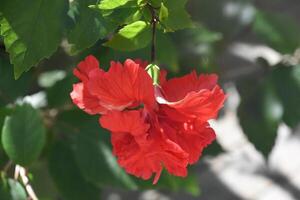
(254, 47)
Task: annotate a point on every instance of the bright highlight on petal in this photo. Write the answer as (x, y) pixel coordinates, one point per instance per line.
(152, 126)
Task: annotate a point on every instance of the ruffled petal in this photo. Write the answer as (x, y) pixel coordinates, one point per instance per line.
(150, 158)
(127, 121)
(80, 95)
(192, 137)
(191, 97)
(177, 88)
(122, 86)
(83, 69)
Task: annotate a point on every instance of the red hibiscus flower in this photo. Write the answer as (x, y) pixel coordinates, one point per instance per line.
(152, 126)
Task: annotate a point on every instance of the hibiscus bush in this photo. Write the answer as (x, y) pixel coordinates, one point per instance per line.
(96, 94)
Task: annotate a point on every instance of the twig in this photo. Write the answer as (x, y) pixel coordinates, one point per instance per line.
(21, 171)
(153, 41)
(7, 166)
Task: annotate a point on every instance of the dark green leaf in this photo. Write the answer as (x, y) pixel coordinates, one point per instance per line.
(279, 31)
(260, 113)
(11, 89)
(63, 87)
(23, 135)
(89, 27)
(97, 163)
(287, 82)
(131, 37)
(213, 149)
(32, 31)
(166, 181)
(66, 175)
(166, 51)
(92, 150)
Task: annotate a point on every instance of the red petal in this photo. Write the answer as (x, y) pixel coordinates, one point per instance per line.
(85, 101)
(148, 159)
(85, 67)
(177, 88)
(122, 86)
(192, 137)
(127, 121)
(191, 97)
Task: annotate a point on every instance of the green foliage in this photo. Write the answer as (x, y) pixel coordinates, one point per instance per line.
(11, 190)
(26, 30)
(76, 151)
(112, 4)
(131, 37)
(187, 184)
(23, 135)
(177, 17)
(66, 175)
(89, 26)
(260, 113)
(279, 31)
(11, 89)
(289, 98)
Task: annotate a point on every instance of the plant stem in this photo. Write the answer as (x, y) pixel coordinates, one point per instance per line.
(153, 41)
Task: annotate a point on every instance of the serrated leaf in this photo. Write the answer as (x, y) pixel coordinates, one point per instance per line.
(23, 135)
(66, 175)
(112, 4)
(131, 37)
(11, 89)
(260, 113)
(32, 31)
(90, 26)
(178, 18)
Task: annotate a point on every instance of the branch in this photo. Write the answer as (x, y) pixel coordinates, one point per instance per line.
(21, 171)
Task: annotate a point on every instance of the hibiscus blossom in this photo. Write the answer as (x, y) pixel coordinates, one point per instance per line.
(152, 126)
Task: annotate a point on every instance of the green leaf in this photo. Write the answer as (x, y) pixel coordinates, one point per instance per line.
(112, 4)
(11, 190)
(278, 30)
(23, 135)
(17, 191)
(32, 31)
(89, 27)
(173, 183)
(124, 15)
(260, 113)
(11, 89)
(178, 18)
(66, 175)
(287, 82)
(166, 51)
(64, 88)
(163, 12)
(100, 166)
(213, 149)
(131, 37)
